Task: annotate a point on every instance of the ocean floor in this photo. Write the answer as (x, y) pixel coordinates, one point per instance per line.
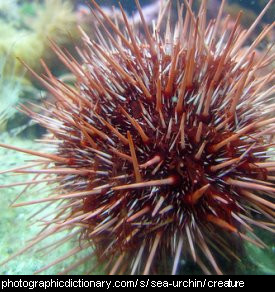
(17, 227)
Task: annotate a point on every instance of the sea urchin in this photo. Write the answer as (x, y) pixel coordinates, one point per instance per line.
(162, 150)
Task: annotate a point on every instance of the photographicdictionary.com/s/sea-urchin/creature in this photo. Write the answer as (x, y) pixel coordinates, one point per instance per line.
(163, 148)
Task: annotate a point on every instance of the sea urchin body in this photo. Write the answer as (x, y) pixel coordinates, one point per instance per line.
(163, 148)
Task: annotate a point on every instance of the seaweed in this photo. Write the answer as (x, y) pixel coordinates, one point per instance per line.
(25, 35)
(25, 31)
(10, 90)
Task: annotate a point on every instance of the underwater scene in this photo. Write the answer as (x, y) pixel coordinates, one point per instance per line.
(137, 137)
